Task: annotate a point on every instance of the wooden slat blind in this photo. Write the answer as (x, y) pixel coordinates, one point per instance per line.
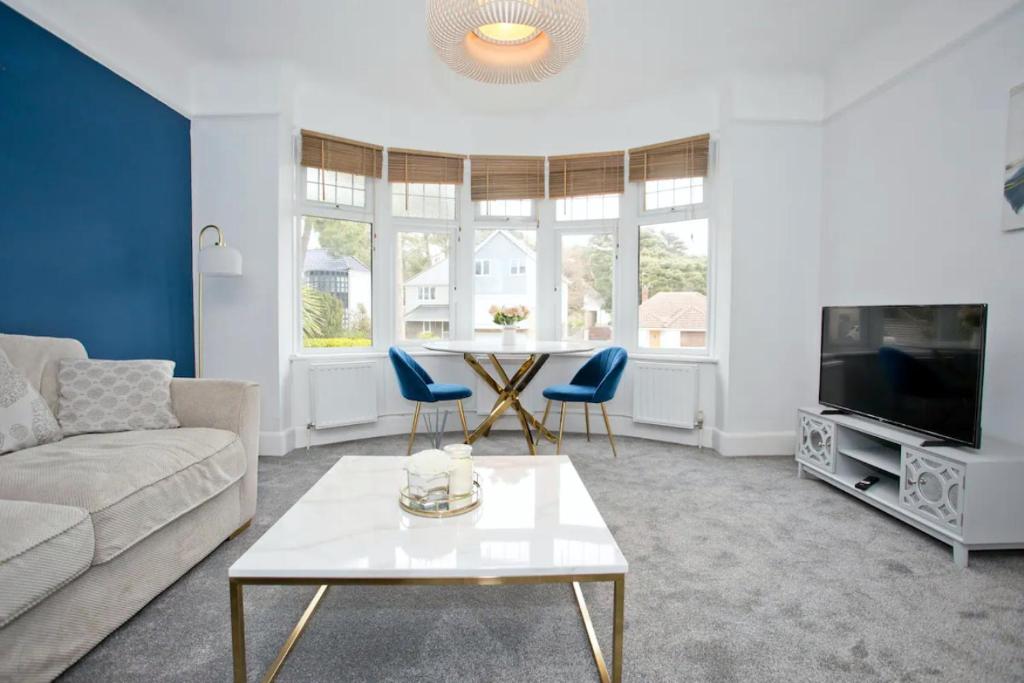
(686, 158)
(413, 166)
(338, 154)
(576, 175)
(505, 177)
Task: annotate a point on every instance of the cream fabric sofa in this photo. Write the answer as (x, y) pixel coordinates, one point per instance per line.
(95, 526)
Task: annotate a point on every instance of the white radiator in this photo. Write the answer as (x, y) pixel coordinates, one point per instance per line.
(665, 394)
(342, 393)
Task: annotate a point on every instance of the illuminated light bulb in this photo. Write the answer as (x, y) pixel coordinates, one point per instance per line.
(506, 33)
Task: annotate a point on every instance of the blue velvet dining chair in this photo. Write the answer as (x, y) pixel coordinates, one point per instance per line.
(595, 382)
(417, 385)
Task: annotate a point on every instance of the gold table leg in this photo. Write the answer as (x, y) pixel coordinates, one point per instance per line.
(508, 395)
(237, 633)
(618, 625)
(619, 581)
(293, 638)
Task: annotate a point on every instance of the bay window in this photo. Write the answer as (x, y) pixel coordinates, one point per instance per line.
(538, 234)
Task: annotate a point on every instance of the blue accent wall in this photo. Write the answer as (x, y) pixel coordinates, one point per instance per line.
(95, 204)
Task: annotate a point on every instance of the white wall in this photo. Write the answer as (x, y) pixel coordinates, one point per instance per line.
(238, 166)
(911, 204)
(770, 230)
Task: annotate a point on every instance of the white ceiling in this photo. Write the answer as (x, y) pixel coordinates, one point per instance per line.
(377, 50)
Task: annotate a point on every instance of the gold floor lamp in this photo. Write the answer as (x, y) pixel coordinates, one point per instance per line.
(220, 260)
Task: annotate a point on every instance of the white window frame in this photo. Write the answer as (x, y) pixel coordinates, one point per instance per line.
(431, 290)
(516, 267)
(316, 209)
(481, 262)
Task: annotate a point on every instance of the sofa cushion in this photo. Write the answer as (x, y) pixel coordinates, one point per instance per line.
(25, 419)
(115, 395)
(39, 358)
(42, 547)
(132, 483)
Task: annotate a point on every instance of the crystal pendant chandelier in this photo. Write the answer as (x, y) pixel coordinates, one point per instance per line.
(507, 41)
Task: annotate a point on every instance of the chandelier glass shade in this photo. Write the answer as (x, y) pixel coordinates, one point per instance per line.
(507, 41)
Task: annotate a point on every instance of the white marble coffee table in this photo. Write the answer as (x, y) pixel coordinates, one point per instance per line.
(536, 524)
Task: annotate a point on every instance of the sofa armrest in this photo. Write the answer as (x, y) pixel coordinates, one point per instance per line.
(224, 404)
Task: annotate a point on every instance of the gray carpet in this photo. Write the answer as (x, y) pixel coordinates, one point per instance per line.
(739, 571)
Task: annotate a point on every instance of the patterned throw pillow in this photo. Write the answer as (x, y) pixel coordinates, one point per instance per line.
(115, 395)
(25, 419)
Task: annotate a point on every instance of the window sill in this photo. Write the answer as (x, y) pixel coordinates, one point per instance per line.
(421, 352)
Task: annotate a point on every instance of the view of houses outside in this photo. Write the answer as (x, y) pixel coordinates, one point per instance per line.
(423, 275)
(504, 274)
(336, 282)
(337, 296)
(673, 285)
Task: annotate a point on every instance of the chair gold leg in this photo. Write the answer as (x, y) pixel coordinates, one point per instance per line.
(462, 416)
(547, 409)
(608, 426)
(586, 417)
(561, 428)
(415, 423)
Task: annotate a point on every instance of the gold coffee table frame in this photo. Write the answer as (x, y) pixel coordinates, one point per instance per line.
(238, 618)
(509, 389)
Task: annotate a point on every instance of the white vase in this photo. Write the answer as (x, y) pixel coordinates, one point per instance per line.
(508, 335)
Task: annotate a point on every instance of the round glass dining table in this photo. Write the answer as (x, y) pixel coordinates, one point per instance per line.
(508, 388)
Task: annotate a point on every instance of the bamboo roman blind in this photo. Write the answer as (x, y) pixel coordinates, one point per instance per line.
(686, 158)
(502, 177)
(338, 154)
(576, 175)
(412, 166)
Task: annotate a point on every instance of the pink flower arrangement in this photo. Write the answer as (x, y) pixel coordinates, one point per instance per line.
(509, 315)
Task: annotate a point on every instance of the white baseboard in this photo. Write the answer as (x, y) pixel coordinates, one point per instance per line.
(277, 443)
(388, 425)
(754, 443)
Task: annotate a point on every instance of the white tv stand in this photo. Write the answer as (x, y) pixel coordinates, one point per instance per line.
(970, 499)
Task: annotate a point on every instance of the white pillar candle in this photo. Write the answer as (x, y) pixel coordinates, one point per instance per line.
(461, 468)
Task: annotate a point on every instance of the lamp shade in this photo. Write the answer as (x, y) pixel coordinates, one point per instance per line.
(220, 259)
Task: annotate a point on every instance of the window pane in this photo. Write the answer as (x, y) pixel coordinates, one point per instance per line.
(587, 285)
(674, 285)
(423, 293)
(664, 194)
(336, 277)
(337, 188)
(425, 200)
(511, 208)
(590, 208)
(495, 287)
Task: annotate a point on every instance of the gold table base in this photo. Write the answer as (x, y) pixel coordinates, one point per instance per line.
(238, 618)
(509, 389)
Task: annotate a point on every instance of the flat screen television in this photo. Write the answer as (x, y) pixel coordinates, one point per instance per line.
(918, 367)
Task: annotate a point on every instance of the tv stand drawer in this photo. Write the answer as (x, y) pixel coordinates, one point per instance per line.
(932, 488)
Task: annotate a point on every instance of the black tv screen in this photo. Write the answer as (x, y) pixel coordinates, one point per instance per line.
(918, 367)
